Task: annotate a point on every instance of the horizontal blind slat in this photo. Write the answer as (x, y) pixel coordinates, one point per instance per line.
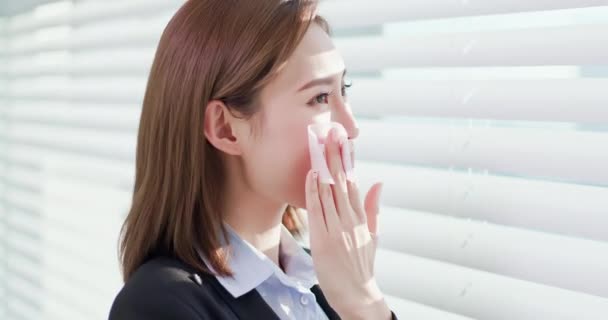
(347, 14)
(535, 46)
(97, 62)
(117, 89)
(567, 209)
(567, 100)
(478, 294)
(96, 170)
(559, 154)
(116, 116)
(116, 144)
(499, 249)
(339, 14)
(85, 12)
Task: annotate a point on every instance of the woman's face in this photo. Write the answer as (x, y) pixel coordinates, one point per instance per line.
(308, 89)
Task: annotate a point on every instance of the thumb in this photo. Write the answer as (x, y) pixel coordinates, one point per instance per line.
(372, 206)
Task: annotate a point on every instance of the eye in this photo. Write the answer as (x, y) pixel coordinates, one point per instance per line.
(323, 97)
(320, 99)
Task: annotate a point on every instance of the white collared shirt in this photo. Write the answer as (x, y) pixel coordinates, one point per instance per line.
(287, 293)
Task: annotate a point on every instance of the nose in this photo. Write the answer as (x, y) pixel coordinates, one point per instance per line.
(344, 115)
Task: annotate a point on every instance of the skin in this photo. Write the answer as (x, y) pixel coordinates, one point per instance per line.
(271, 168)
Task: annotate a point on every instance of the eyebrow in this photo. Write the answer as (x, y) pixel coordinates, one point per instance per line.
(320, 81)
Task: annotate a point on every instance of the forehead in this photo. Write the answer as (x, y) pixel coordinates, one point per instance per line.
(314, 57)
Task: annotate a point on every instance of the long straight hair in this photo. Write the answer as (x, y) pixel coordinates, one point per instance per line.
(210, 49)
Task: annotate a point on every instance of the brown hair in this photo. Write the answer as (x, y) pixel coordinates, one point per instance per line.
(210, 49)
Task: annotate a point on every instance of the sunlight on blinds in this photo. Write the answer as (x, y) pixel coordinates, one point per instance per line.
(487, 121)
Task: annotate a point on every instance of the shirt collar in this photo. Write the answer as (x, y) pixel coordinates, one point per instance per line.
(251, 267)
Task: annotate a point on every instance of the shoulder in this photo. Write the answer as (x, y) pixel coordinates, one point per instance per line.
(165, 288)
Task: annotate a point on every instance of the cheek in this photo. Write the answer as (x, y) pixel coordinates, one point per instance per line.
(300, 165)
(296, 157)
(285, 161)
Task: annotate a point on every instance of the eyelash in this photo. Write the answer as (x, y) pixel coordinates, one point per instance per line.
(314, 101)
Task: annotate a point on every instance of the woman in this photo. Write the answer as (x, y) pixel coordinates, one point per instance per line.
(223, 162)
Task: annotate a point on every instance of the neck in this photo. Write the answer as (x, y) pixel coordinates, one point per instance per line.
(255, 219)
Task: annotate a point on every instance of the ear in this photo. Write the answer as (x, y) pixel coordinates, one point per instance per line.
(221, 128)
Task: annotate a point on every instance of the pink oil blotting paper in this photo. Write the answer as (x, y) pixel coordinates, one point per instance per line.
(317, 135)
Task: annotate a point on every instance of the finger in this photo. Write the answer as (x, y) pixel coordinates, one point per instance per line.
(354, 197)
(336, 168)
(333, 157)
(316, 221)
(372, 207)
(329, 208)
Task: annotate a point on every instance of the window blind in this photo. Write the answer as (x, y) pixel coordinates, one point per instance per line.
(487, 121)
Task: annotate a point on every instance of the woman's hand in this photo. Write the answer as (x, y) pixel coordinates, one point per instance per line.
(343, 239)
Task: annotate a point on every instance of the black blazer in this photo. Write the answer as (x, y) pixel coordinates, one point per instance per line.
(165, 288)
